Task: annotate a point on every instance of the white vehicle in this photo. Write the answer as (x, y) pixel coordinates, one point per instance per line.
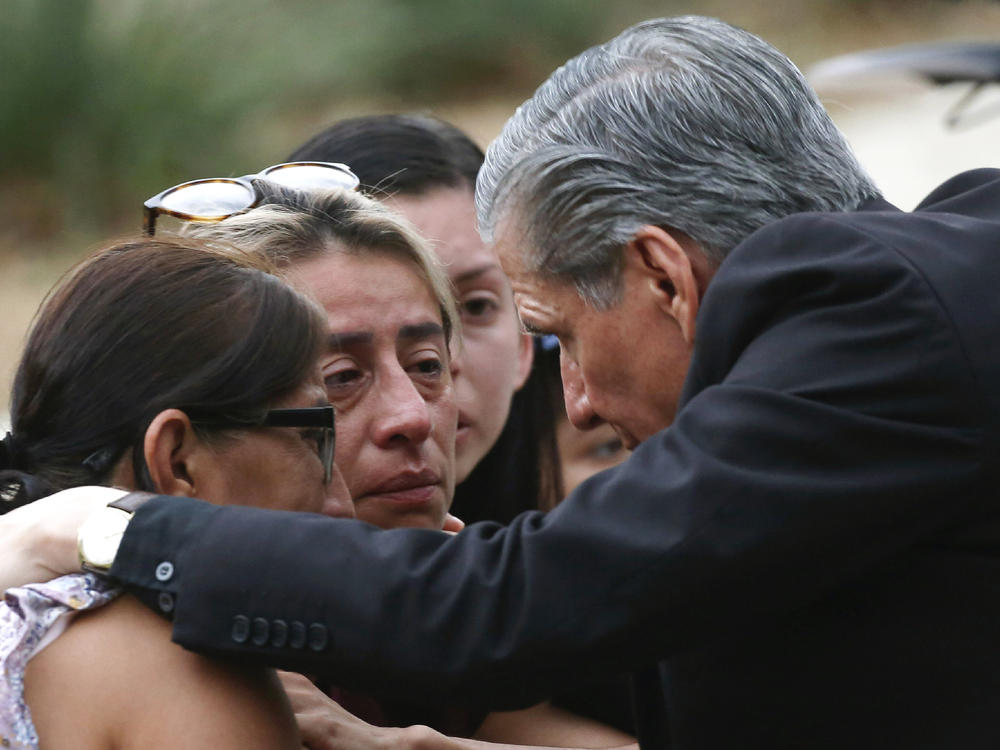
(918, 114)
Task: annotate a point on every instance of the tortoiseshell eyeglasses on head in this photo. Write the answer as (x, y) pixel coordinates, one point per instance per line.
(218, 198)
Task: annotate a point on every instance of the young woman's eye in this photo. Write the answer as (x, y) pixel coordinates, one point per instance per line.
(479, 307)
(606, 449)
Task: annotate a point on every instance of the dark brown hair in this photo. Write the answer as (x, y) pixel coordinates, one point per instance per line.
(139, 327)
(392, 154)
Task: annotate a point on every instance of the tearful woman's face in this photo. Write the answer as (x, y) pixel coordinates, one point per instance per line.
(386, 370)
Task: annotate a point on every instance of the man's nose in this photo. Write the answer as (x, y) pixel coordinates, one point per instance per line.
(404, 415)
(578, 409)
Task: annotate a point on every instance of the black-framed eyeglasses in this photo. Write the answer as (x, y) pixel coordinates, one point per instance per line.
(218, 198)
(321, 418)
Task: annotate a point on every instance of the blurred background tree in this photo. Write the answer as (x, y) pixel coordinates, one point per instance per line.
(105, 102)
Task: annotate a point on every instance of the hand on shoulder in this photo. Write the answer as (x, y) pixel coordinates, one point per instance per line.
(38, 540)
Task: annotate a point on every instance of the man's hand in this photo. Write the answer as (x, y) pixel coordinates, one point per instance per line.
(325, 725)
(38, 540)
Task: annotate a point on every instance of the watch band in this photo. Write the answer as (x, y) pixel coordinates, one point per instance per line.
(92, 530)
(131, 502)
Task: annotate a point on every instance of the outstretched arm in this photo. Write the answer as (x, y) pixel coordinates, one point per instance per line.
(38, 541)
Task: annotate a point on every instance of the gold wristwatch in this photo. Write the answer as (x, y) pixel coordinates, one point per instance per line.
(99, 536)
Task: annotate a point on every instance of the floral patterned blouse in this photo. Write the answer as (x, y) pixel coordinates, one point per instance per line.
(30, 618)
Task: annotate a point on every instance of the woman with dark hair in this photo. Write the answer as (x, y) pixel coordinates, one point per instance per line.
(181, 369)
(425, 169)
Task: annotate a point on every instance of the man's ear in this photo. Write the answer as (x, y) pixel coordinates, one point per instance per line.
(671, 273)
(173, 451)
(525, 356)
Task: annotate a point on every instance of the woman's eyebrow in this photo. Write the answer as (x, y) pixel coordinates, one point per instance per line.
(477, 271)
(421, 331)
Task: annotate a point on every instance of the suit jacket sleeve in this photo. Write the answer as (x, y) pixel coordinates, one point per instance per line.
(831, 420)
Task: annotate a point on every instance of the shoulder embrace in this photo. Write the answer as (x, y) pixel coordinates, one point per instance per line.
(128, 674)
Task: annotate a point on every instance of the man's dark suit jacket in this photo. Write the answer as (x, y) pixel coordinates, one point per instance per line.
(809, 557)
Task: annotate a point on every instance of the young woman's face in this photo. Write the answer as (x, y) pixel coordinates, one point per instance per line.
(495, 357)
(386, 372)
(584, 453)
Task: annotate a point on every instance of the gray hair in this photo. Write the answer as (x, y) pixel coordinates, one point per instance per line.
(688, 124)
(290, 226)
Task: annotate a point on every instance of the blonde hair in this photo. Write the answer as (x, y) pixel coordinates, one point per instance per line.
(290, 226)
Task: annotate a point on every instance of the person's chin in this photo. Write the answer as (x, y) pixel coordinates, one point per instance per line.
(336, 509)
(420, 509)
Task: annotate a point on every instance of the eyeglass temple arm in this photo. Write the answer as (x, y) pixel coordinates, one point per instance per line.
(149, 220)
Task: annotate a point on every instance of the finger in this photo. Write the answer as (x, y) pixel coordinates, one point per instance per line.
(303, 695)
(453, 524)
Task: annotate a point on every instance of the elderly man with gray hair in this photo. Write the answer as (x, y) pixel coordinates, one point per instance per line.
(801, 551)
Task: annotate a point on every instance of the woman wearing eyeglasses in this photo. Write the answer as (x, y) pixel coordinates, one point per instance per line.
(179, 369)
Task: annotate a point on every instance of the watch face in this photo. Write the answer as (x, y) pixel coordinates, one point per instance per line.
(100, 535)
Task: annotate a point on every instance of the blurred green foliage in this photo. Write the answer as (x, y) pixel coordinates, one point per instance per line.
(104, 102)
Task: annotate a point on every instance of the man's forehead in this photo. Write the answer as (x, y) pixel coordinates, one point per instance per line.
(508, 246)
(544, 305)
(515, 232)
(538, 298)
